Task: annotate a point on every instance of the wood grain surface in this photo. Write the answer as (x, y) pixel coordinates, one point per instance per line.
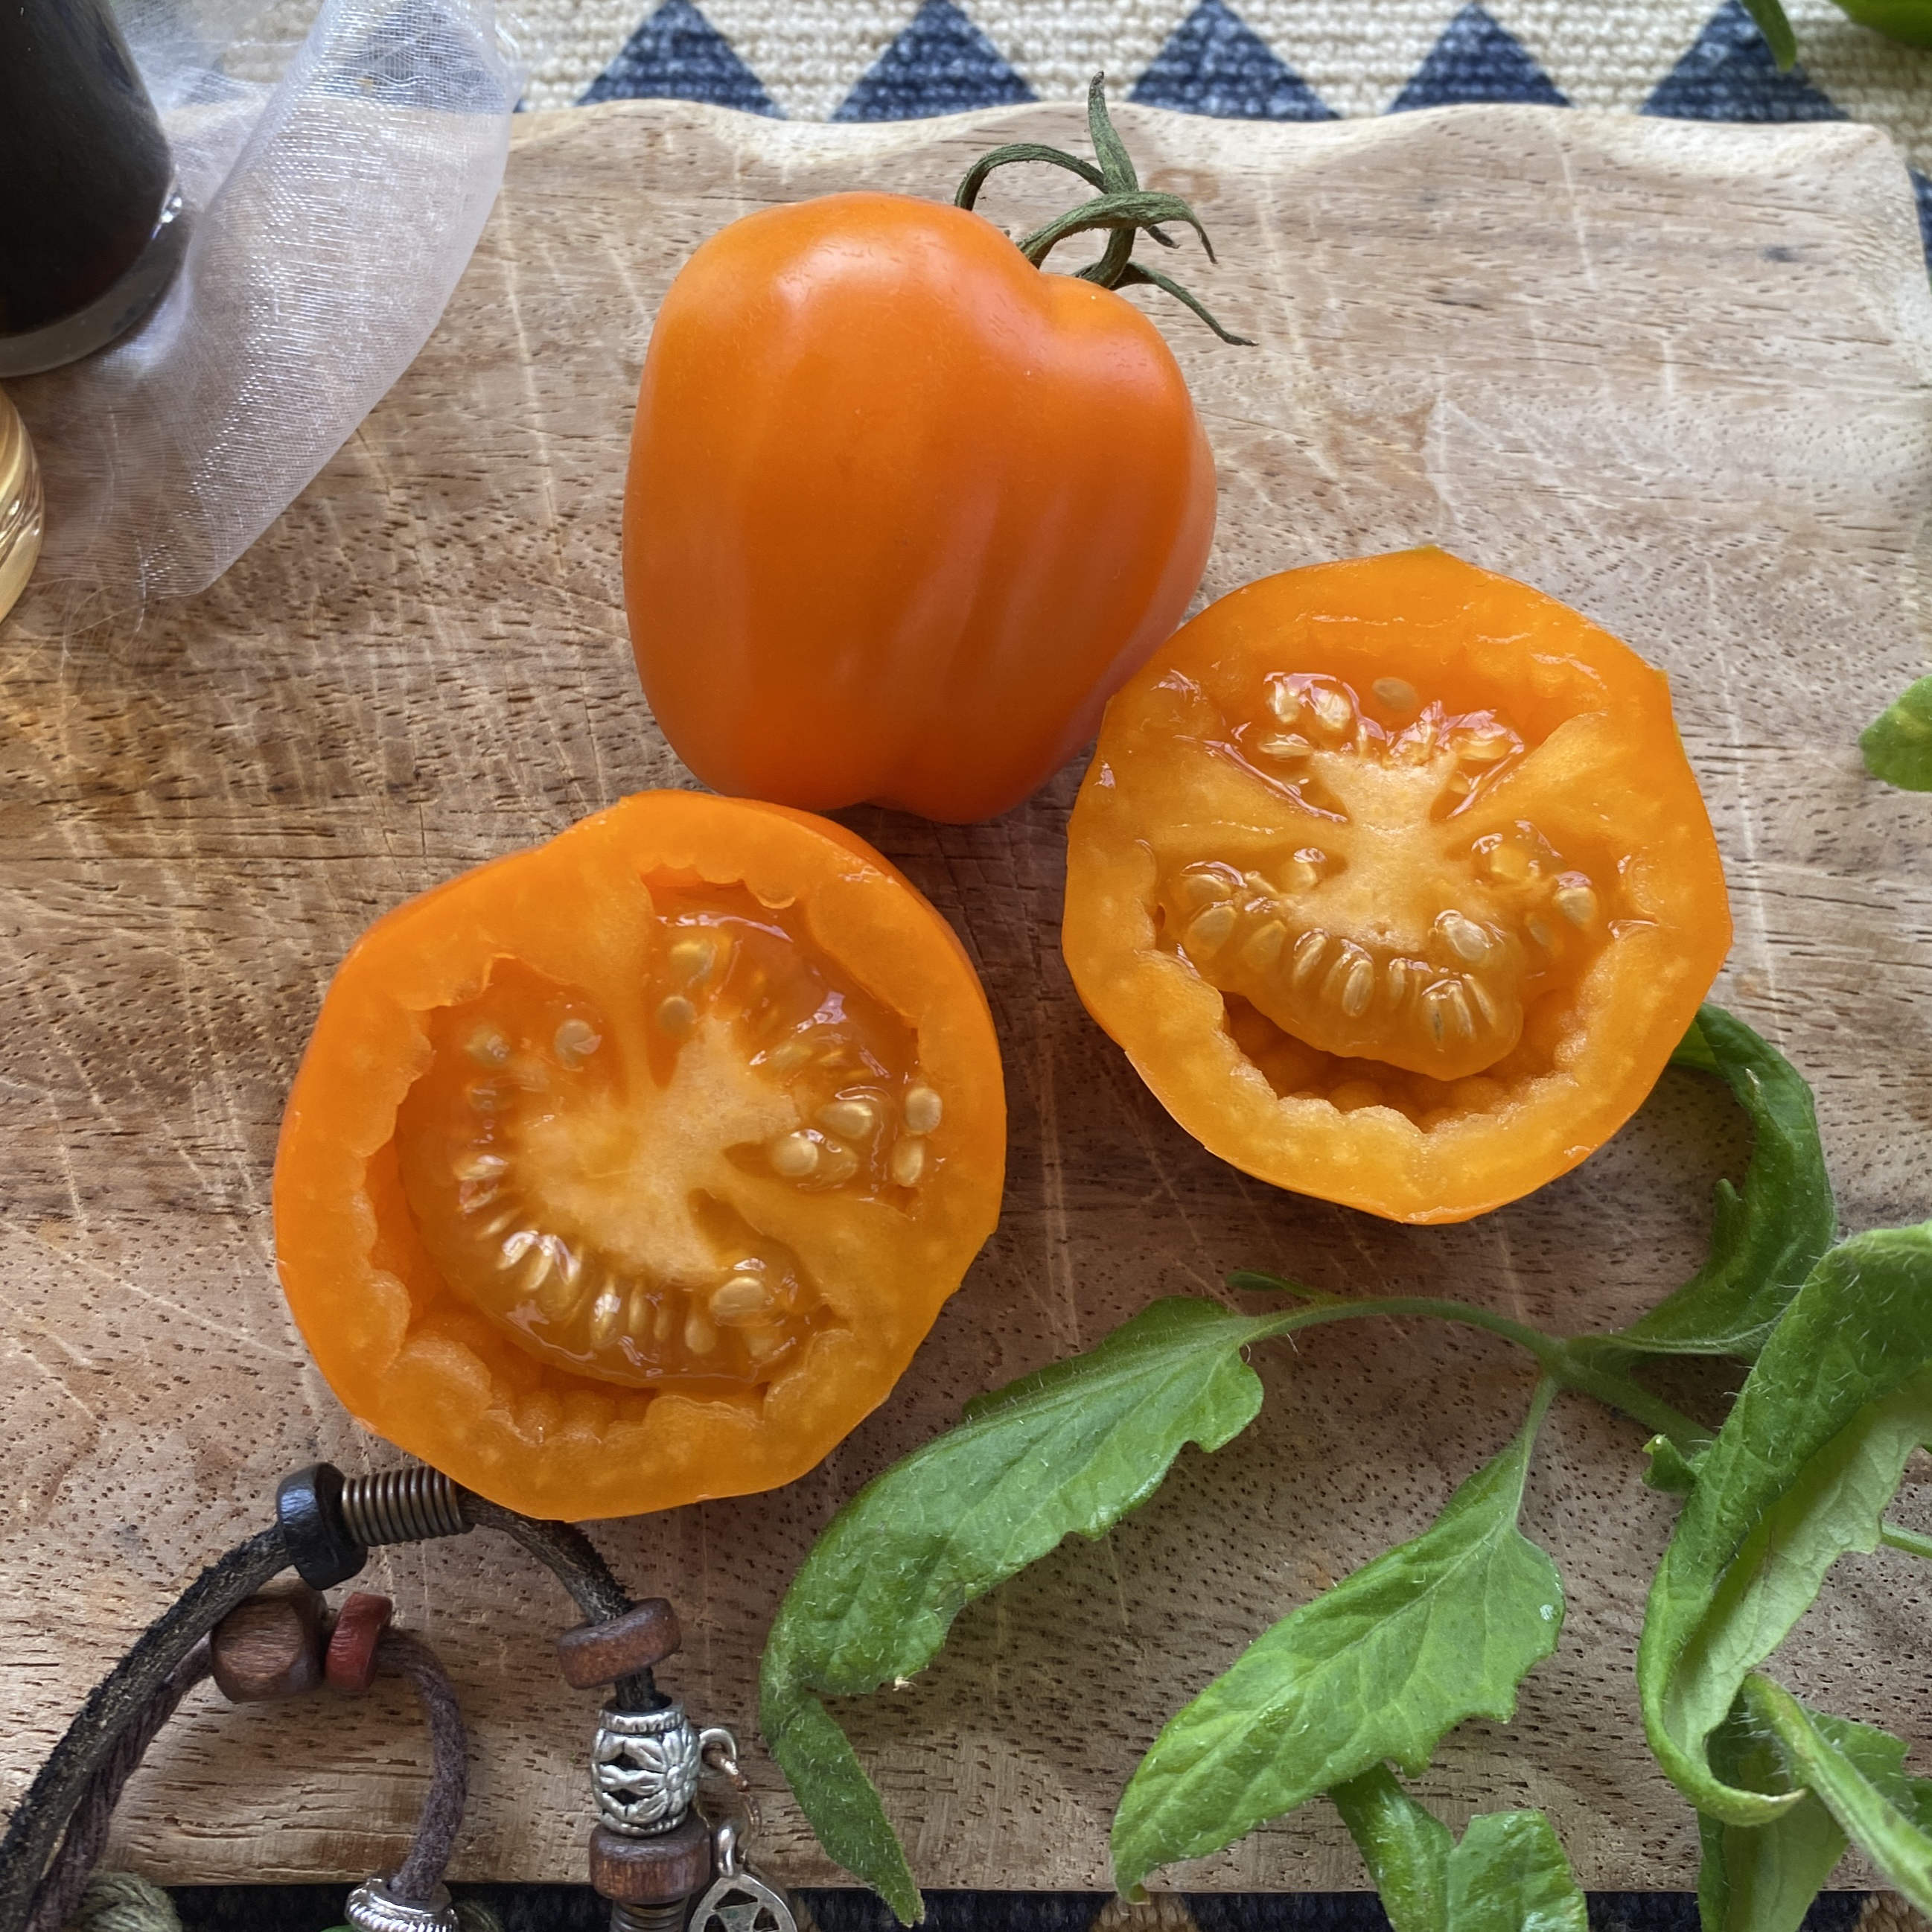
(1675, 374)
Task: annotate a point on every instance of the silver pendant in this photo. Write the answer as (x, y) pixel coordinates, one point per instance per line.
(739, 1899)
(741, 1902)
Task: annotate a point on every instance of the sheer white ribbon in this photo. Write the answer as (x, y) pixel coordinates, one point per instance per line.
(336, 182)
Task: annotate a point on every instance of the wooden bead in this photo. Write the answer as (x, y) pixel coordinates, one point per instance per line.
(350, 1663)
(269, 1647)
(593, 1654)
(653, 1871)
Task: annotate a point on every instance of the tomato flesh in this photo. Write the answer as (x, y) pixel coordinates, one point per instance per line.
(1393, 879)
(1366, 904)
(632, 1168)
(579, 1170)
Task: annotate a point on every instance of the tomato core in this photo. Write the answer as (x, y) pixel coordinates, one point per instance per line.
(569, 1164)
(1362, 909)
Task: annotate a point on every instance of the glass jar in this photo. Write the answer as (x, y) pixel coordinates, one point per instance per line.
(92, 229)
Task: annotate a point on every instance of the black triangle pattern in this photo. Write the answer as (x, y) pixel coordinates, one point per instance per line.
(940, 63)
(678, 55)
(1729, 74)
(1477, 60)
(1215, 63)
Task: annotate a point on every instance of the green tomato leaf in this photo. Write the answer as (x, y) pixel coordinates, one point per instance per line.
(1776, 29)
(1069, 1451)
(1763, 1878)
(1440, 1629)
(1871, 1801)
(835, 1793)
(1765, 1242)
(1801, 1472)
(1405, 1847)
(1509, 1874)
(1897, 743)
(1667, 1467)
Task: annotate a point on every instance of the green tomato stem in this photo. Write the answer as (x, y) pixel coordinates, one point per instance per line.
(1571, 1364)
(1896, 1536)
(1123, 210)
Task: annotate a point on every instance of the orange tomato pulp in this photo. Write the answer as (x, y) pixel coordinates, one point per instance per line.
(901, 510)
(632, 1168)
(1394, 881)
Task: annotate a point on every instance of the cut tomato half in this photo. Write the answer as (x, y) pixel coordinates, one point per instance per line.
(1394, 881)
(632, 1168)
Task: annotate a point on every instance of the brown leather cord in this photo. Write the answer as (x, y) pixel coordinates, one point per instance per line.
(415, 1880)
(572, 1557)
(60, 1892)
(562, 1548)
(115, 1724)
(419, 1874)
(116, 1702)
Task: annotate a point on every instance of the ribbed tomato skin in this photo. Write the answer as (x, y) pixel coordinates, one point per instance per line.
(902, 511)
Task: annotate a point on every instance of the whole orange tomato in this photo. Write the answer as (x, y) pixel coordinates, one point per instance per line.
(903, 509)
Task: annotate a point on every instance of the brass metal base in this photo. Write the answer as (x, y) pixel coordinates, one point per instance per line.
(21, 510)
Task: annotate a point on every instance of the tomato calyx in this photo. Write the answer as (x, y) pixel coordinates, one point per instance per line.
(1122, 209)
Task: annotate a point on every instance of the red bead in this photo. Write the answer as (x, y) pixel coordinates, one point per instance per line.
(350, 1663)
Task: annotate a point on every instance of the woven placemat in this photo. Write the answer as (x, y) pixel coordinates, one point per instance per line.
(883, 60)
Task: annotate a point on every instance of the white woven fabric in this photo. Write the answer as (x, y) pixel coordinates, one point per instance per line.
(808, 54)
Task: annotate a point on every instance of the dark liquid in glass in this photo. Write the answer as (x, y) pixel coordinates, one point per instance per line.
(84, 167)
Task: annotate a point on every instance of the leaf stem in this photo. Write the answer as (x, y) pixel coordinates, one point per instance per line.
(1896, 1536)
(1573, 1365)
(1546, 1390)
(1586, 1372)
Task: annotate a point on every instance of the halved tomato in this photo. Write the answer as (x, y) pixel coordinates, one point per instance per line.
(1393, 879)
(632, 1168)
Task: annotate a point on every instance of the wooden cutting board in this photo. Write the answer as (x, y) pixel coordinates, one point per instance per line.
(1676, 374)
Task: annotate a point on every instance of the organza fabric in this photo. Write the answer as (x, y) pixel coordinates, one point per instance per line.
(337, 166)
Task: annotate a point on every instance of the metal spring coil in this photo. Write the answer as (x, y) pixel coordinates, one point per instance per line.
(403, 1506)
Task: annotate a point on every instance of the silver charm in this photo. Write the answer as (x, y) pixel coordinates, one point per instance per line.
(645, 1765)
(739, 1899)
(373, 1907)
